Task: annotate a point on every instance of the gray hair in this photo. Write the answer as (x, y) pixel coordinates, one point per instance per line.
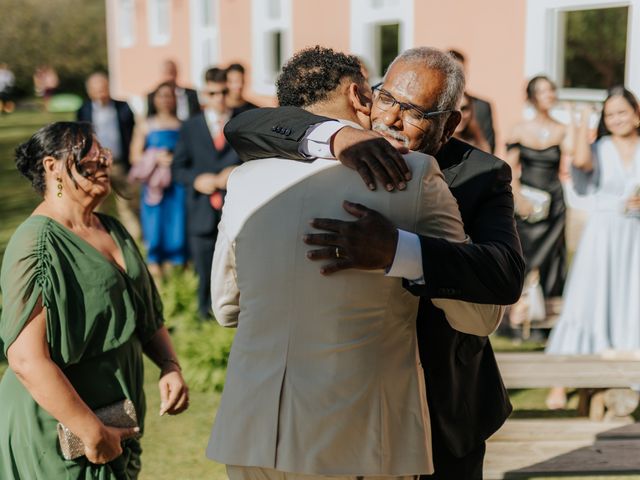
(435, 59)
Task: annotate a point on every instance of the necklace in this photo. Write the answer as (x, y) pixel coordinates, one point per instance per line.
(544, 133)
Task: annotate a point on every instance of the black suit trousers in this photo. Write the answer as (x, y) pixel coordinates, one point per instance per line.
(447, 466)
(202, 247)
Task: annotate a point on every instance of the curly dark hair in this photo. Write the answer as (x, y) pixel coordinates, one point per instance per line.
(70, 141)
(313, 73)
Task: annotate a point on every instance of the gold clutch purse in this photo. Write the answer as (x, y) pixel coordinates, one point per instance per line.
(121, 414)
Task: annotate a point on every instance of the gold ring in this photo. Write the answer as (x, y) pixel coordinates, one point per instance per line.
(337, 252)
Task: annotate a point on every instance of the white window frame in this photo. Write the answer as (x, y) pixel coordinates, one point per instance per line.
(201, 34)
(364, 19)
(542, 52)
(126, 23)
(263, 81)
(158, 38)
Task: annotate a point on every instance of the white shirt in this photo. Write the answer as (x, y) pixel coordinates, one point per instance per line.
(105, 123)
(216, 121)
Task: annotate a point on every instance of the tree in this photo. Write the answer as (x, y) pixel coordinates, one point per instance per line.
(69, 35)
(595, 47)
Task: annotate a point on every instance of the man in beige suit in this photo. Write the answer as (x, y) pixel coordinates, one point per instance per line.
(324, 377)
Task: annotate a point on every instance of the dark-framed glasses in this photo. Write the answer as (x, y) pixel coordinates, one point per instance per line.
(89, 165)
(213, 93)
(410, 113)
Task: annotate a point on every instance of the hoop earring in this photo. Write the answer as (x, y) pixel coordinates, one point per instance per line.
(59, 180)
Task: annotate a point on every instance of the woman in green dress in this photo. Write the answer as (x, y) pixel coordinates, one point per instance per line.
(79, 309)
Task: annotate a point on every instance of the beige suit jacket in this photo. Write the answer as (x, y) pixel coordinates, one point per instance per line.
(324, 375)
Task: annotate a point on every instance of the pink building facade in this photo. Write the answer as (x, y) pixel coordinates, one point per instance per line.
(505, 41)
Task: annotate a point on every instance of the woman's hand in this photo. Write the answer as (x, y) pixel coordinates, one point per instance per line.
(107, 445)
(632, 204)
(174, 393)
(164, 158)
(523, 207)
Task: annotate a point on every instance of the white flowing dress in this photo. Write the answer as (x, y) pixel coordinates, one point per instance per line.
(602, 296)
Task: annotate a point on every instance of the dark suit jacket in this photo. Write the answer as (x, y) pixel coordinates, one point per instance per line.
(192, 101)
(196, 154)
(126, 122)
(482, 112)
(467, 399)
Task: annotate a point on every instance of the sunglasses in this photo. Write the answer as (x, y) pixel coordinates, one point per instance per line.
(213, 93)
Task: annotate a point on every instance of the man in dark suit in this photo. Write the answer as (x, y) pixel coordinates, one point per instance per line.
(187, 102)
(481, 108)
(202, 162)
(113, 122)
(467, 399)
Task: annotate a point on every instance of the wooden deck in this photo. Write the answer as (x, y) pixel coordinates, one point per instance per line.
(572, 448)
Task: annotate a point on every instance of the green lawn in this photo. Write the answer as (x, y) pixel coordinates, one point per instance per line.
(173, 446)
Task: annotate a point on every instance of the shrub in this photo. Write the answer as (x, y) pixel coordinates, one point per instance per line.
(202, 346)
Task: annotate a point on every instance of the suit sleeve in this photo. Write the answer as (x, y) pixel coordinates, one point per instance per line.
(270, 132)
(439, 217)
(490, 270)
(225, 294)
(181, 167)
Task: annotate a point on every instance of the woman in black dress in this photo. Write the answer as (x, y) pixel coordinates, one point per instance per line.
(534, 152)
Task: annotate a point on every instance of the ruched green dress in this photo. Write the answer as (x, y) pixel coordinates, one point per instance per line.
(98, 318)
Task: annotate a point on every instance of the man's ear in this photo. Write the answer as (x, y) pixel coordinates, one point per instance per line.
(450, 125)
(360, 101)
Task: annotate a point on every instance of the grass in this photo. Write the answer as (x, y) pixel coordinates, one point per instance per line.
(174, 446)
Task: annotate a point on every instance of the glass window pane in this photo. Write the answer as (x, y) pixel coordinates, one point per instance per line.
(274, 10)
(595, 45)
(388, 45)
(276, 52)
(207, 10)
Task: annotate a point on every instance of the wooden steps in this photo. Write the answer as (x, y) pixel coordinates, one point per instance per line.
(574, 447)
(537, 370)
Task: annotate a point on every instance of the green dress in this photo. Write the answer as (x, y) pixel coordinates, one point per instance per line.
(98, 318)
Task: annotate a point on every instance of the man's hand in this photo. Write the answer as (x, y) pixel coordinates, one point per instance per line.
(206, 183)
(368, 243)
(372, 156)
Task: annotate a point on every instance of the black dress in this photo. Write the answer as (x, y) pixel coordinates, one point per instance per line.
(543, 243)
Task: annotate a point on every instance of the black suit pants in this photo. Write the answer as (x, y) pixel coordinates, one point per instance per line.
(202, 247)
(449, 467)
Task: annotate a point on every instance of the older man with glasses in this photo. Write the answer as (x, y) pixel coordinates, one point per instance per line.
(202, 163)
(416, 107)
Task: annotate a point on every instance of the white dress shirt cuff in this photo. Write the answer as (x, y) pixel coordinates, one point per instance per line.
(316, 142)
(407, 262)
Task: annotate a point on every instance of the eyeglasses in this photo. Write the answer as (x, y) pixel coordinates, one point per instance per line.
(410, 113)
(213, 93)
(88, 166)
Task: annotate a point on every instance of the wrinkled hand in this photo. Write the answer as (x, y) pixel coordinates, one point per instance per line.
(206, 183)
(368, 243)
(108, 445)
(633, 204)
(372, 157)
(174, 393)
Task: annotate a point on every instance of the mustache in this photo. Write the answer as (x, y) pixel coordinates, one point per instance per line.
(383, 129)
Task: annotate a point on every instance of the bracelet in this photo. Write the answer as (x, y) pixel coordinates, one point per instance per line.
(172, 361)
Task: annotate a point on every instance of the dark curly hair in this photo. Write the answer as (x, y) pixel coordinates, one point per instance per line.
(313, 73)
(67, 141)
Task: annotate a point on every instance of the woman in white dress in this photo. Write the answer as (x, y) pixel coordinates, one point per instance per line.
(602, 297)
